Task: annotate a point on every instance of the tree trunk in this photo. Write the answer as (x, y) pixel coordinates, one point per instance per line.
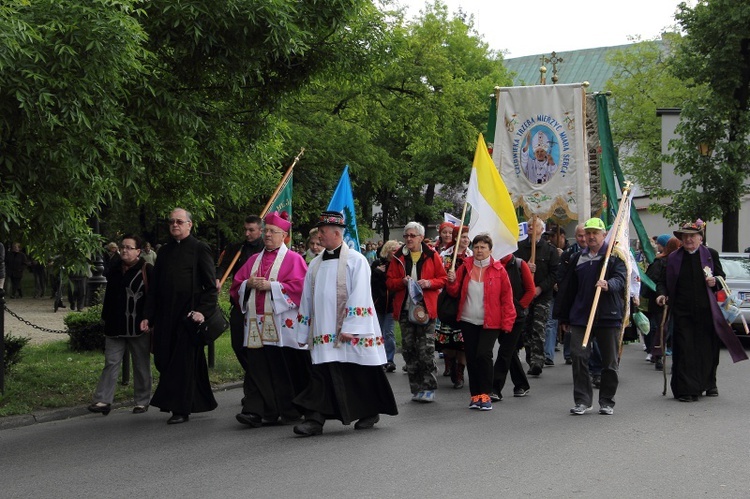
(730, 231)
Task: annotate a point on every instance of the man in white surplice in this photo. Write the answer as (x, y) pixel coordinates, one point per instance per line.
(338, 322)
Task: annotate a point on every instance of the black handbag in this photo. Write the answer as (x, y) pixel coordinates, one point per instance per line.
(214, 323)
(213, 326)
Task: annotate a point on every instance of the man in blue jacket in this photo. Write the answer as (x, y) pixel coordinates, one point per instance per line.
(573, 306)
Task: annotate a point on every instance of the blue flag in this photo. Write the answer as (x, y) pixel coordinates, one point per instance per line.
(343, 202)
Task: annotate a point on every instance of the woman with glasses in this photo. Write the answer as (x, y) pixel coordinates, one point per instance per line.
(122, 312)
(415, 277)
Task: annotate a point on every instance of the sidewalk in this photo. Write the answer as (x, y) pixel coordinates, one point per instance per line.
(21, 420)
(38, 311)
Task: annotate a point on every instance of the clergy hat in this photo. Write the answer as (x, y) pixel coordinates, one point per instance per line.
(331, 218)
(540, 141)
(696, 227)
(280, 220)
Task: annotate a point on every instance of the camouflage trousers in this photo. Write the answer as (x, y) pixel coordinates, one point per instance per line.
(535, 331)
(418, 350)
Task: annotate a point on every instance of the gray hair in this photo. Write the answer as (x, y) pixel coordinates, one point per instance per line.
(188, 215)
(418, 228)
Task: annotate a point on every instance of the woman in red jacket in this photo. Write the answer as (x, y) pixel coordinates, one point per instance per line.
(485, 310)
(417, 267)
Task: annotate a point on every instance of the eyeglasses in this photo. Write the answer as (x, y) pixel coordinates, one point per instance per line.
(128, 248)
(410, 236)
(271, 231)
(177, 221)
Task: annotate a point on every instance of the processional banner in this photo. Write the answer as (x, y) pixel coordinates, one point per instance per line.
(540, 150)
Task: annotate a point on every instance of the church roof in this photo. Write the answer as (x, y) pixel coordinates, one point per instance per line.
(577, 66)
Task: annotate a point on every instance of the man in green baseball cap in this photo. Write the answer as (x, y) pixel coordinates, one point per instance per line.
(594, 223)
(573, 307)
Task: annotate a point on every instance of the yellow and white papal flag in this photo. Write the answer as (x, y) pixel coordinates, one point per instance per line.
(492, 210)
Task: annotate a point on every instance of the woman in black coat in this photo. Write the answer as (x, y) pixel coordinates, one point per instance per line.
(122, 312)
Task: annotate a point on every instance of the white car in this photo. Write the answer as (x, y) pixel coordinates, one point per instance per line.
(737, 268)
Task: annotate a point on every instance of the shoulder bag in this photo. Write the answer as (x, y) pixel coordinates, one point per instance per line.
(214, 323)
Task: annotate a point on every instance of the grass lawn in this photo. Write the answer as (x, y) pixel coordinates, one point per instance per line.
(51, 376)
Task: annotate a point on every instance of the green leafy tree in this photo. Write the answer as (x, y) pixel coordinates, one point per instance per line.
(126, 108)
(716, 55)
(406, 121)
(66, 143)
(641, 84)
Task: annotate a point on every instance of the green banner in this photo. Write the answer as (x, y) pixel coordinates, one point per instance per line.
(283, 201)
(610, 168)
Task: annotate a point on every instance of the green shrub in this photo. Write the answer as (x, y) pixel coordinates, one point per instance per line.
(13, 347)
(86, 329)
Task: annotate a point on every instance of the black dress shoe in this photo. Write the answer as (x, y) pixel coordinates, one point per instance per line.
(250, 419)
(712, 392)
(102, 409)
(308, 428)
(178, 418)
(367, 423)
(140, 409)
(685, 398)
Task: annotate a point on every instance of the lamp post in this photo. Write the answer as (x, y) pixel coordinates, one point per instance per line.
(97, 280)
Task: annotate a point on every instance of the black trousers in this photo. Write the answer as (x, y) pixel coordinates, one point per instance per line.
(507, 360)
(478, 346)
(237, 332)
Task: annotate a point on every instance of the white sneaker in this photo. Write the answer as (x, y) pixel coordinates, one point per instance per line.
(606, 410)
(648, 358)
(427, 396)
(580, 409)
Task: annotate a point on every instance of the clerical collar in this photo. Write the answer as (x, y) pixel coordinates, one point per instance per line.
(270, 251)
(331, 254)
(691, 252)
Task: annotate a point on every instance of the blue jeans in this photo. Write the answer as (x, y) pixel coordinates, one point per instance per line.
(387, 325)
(550, 339)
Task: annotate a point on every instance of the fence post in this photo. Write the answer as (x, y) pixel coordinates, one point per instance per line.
(2, 341)
(211, 355)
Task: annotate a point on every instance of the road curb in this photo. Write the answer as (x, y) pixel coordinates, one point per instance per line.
(10, 422)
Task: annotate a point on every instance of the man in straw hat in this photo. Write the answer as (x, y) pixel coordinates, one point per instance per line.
(337, 320)
(687, 286)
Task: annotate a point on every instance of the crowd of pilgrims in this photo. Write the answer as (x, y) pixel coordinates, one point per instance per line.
(449, 296)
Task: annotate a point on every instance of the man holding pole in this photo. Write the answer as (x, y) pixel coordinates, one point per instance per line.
(235, 256)
(577, 297)
(543, 260)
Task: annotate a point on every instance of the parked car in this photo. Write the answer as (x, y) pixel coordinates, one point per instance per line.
(737, 268)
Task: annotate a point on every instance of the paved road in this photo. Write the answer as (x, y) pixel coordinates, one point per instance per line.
(526, 447)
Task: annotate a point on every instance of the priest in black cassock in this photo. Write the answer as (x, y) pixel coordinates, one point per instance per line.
(688, 285)
(183, 292)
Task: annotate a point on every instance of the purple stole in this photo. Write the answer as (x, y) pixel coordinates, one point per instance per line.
(721, 326)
